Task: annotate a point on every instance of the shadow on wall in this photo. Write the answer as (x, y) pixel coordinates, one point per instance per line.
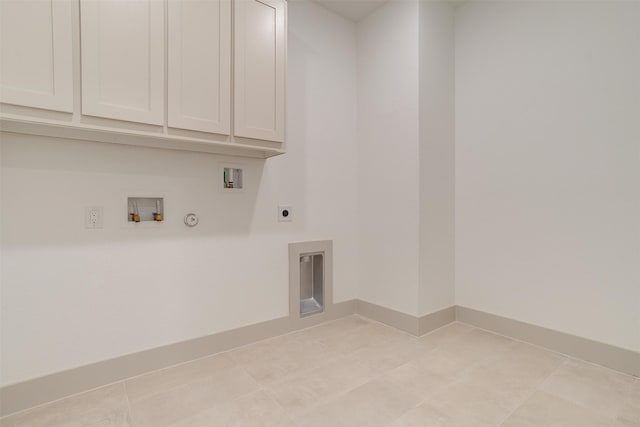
(48, 182)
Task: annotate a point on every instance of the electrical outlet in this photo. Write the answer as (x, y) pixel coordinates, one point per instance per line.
(93, 217)
(285, 213)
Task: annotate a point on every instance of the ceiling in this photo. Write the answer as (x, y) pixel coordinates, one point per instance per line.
(354, 10)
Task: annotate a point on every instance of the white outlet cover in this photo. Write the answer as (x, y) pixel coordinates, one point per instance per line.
(93, 217)
(285, 213)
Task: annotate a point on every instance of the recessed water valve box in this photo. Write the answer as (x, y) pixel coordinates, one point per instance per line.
(232, 178)
(145, 209)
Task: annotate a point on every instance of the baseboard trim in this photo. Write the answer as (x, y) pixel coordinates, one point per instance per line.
(35, 392)
(406, 322)
(437, 319)
(397, 319)
(606, 355)
(31, 393)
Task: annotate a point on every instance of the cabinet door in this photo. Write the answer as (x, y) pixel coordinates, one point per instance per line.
(199, 64)
(260, 67)
(123, 59)
(35, 40)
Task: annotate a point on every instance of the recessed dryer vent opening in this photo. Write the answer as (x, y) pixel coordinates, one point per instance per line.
(311, 283)
(310, 278)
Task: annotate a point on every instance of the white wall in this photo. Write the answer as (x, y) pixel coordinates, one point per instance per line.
(388, 156)
(406, 156)
(546, 168)
(436, 156)
(72, 296)
(548, 165)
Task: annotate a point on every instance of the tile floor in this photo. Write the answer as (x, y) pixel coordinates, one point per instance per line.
(355, 372)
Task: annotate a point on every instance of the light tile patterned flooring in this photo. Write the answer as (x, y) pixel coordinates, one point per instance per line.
(355, 372)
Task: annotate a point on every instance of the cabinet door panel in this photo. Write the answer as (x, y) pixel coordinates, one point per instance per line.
(123, 59)
(36, 52)
(259, 75)
(199, 59)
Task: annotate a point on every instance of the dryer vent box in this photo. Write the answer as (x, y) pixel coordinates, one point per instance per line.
(311, 283)
(310, 278)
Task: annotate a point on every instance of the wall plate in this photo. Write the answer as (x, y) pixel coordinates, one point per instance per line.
(191, 220)
(93, 217)
(285, 213)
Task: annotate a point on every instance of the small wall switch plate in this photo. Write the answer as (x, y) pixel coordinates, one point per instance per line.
(285, 213)
(93, 217)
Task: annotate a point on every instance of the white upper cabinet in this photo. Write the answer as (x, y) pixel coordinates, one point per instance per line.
(260, 69)
(198, 75)
(36, 55)
(123, 59)
(199, 64)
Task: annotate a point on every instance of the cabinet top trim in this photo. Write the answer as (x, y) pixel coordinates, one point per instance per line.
(81, 131)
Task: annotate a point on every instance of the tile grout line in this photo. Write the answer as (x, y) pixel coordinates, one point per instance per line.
(549, 349)
(375, 376)
(299, 373)
(270, 395)
(156, 392)
(564, 399)
(378, 374)
(291, 415)
(457, 380)
(533, 391)
(489, 356)
(404, 364)
(625, 402)
(371, 378)
(42, 405)
(236, 364)
(126, 395)
(444, 326)
(528, 343)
